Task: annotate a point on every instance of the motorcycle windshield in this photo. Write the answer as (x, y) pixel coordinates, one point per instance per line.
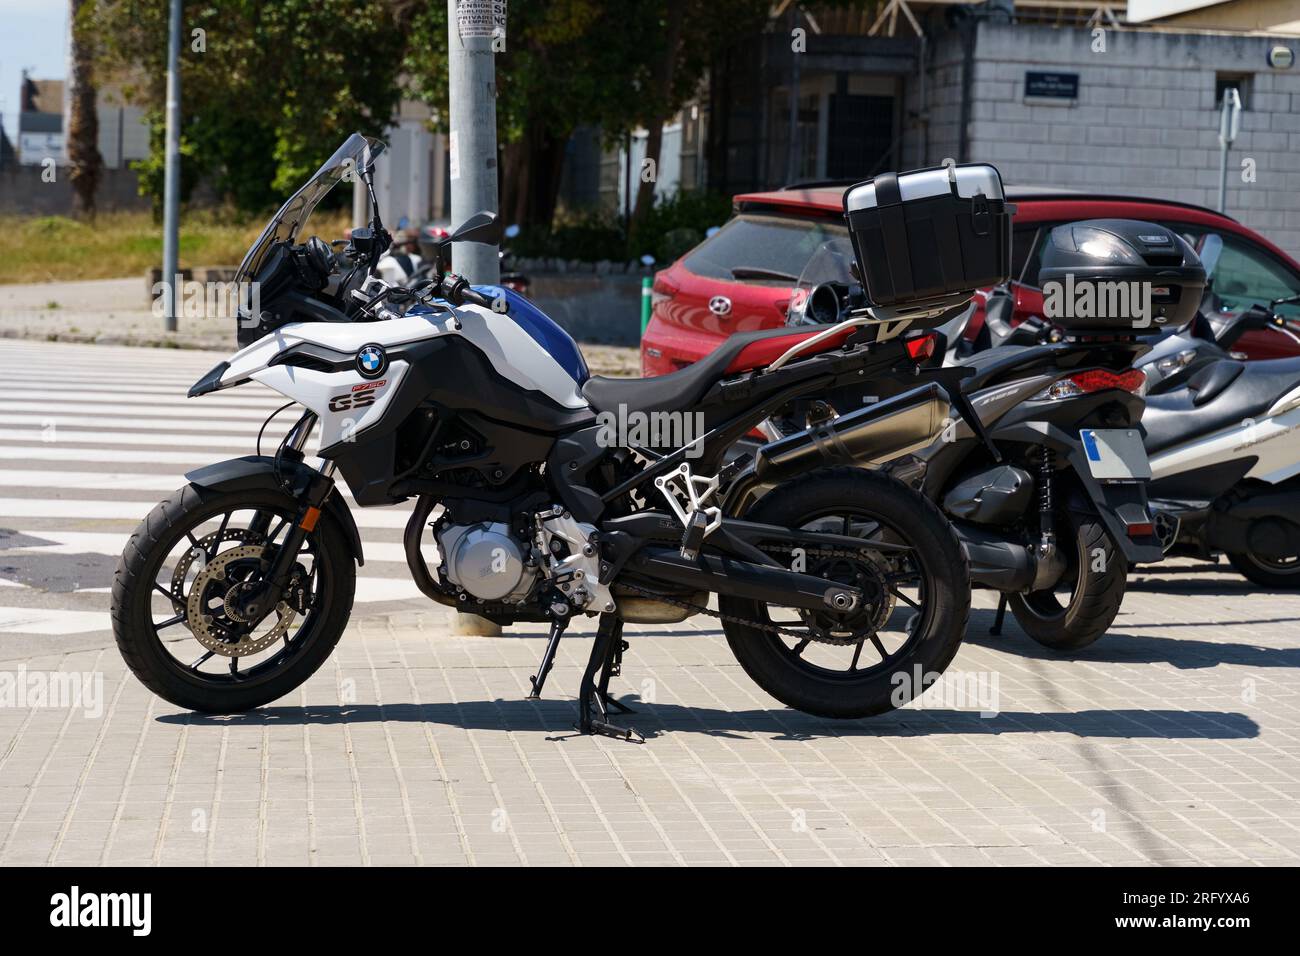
(356, 153)
(831, 263)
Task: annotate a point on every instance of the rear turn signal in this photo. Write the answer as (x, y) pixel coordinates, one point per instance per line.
(921, 347)
(1095, 380)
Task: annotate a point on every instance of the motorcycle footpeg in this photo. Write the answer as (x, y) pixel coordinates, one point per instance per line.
(693, 539)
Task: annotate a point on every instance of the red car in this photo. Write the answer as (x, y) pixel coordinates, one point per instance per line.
(741, 277)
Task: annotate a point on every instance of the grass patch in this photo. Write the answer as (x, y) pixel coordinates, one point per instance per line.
(125, 244)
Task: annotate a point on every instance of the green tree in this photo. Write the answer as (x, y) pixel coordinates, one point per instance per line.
(569, 63)
(268, 90)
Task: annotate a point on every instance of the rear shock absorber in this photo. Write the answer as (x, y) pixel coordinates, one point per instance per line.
(1046, 506)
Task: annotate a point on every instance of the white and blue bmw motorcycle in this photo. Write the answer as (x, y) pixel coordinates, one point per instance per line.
(836, 587)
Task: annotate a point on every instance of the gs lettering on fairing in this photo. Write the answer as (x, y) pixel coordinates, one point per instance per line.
(474, 408)
(361, 396)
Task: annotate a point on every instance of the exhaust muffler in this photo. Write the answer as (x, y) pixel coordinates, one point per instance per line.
(869, 437)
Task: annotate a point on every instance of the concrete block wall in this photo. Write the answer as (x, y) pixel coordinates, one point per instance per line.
(943, 95)
(1145, 122)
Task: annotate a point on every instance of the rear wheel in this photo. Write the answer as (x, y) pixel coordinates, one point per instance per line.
(1083, 604)
(1279, 574)
(914, 577)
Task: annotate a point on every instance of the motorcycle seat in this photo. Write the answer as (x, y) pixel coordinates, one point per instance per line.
(1249, 390)
(683, 389)
(992, 363)
(1213, 379)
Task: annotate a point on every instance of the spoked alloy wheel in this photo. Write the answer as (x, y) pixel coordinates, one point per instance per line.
(176, 600)
(906, 630)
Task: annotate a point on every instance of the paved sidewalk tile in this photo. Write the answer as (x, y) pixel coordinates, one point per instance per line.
(1174, 740)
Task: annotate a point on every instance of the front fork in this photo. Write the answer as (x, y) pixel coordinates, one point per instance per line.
(278, 569)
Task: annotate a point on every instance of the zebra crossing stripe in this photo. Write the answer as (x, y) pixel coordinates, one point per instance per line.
(135, 510)
(111, 543)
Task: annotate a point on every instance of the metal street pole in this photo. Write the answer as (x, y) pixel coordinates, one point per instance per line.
(471, 65)
(473, 122)
(1229, 126)
(172, 181)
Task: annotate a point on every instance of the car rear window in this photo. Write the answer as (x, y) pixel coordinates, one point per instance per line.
(781, 244)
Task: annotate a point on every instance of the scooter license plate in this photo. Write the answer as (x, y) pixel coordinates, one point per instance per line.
(1115, 454)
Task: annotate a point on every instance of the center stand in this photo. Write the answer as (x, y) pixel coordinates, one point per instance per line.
(605, 662)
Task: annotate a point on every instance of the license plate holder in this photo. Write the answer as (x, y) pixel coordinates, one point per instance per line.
(1115, 454)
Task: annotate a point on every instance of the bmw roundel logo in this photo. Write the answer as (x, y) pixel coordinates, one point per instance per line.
(720, 305)
(372, 361)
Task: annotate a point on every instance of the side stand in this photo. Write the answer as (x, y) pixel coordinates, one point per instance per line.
(548, 657)
(593, 696)
(996, 629)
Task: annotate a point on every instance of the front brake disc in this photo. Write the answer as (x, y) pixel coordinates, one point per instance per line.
(211, 632)
(208, 544)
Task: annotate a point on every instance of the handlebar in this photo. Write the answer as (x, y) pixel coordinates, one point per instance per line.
(456, 290)
(1252, 319)
(453, 288)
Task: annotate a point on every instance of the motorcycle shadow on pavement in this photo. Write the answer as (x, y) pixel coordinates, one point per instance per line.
(556, 717)
(1123, 646)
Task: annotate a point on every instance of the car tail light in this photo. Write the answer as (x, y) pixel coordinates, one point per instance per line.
(921, 347)
(661, 291)
(1095, 380)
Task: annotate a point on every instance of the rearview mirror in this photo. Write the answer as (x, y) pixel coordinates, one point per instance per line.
(481, 227)
(363, 240)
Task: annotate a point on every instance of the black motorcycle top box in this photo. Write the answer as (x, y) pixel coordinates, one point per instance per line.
(1118, 275)
(931, 233)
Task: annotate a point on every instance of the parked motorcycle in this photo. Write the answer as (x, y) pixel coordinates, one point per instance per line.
(540, 495)
(1219, 432)
(431, 242)
(402, 264)
(1224, 440)
(1050, 504)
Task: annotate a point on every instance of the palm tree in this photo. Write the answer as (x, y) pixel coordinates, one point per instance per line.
(87, 165)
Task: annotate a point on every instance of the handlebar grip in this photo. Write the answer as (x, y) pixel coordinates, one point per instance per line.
(456, 290)
(478, 298)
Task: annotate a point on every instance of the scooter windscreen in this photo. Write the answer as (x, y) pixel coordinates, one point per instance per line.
(827, 287)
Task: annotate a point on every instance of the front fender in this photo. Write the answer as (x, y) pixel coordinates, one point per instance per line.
(258, 472)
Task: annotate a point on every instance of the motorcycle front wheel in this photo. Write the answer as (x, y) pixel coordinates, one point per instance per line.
(916, 586)
(175, 617)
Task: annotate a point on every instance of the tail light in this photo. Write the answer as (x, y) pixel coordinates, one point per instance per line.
(1095, 380)
(921, 347)
(661, 291)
